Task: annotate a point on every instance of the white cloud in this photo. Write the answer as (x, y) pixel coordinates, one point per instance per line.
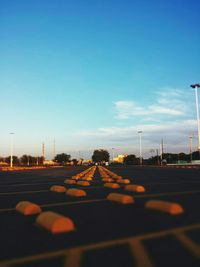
(126, 140)
(171, 128)
(175, 135)
(156, 109)
(126, 109)
(170, 117)
(168, 102)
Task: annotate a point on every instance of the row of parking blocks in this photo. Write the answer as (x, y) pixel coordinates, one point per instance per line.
(56, 223)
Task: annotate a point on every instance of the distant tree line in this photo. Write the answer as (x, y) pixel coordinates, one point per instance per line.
(102, 156)
(166, 158)
(24, 160)
(28, 160)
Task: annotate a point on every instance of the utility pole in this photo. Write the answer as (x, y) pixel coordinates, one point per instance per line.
(11, 150)
(140, 139)
(190, 146)
(161, 152)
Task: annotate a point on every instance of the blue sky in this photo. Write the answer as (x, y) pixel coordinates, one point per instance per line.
(92, 73)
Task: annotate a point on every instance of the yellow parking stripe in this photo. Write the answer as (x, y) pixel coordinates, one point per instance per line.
(188, 243)
(133, 242)
(23, 192)
(167, 194)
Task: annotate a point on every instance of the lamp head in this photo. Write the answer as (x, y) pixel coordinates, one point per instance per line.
(196, 85)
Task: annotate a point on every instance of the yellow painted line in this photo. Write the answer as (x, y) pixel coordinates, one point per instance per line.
(168, 183)
(167, 194)
(9, 209)
(32, 184)
(72, 203)
(188, 243)
(23, 192)
(140, 254)
(77, 251)
(73, 258)
(61, 204)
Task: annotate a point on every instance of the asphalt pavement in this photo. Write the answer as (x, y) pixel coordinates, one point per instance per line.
(106, 233)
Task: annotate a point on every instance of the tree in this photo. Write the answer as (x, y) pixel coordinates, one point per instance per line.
(100, 155)
(182, 156)
(196, 155)
(75, 161)
(28, 160)
(62, 158)
(15, 160)
(25, 160)
(130, 160)
(2, 159)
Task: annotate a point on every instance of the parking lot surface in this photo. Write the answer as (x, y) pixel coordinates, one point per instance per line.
(107, 233)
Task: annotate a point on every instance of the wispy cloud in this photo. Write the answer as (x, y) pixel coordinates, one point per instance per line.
(168, 102)
(169, 117)
(174, 133)
(150, 130)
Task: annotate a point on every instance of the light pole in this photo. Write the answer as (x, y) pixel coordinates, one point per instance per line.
(140, 136)
(11, 150)
(196, 86)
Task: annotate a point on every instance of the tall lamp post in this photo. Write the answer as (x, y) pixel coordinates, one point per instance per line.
(196, 86)
(11, 150)
(140, 137)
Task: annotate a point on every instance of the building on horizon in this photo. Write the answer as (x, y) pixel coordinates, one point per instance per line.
(119, 158)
